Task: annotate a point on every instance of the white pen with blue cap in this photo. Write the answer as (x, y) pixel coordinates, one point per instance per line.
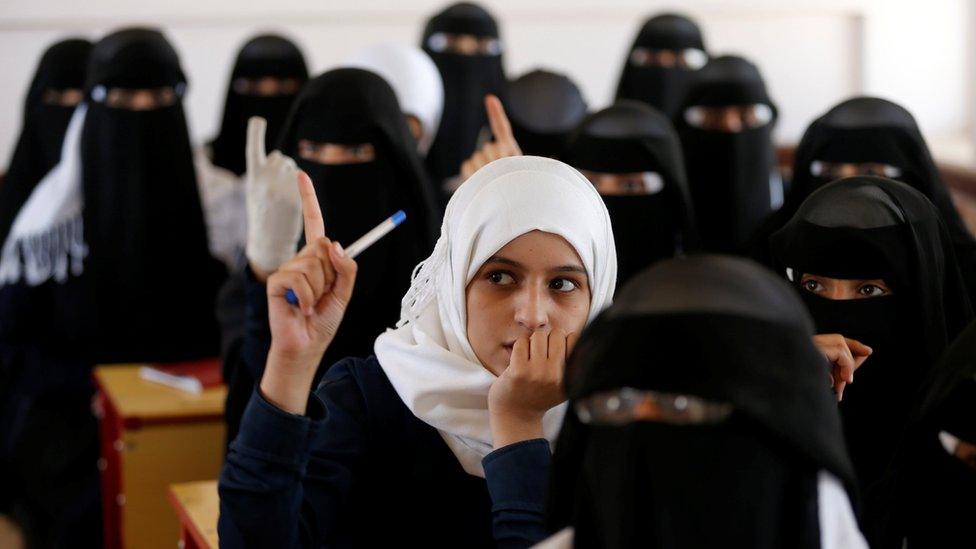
(363, 243)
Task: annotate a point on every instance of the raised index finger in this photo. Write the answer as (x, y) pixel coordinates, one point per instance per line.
(501, 128)
(255, 153)
(311, 212)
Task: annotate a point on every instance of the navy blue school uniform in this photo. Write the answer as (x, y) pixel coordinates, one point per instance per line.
(360, 470)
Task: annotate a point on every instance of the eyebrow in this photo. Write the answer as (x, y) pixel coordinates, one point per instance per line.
(517, 265)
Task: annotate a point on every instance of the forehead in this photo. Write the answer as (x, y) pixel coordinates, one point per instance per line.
(538, 249)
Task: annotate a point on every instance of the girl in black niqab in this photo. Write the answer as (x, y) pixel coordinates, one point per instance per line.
(869, 228)
(726, 125)
(356, 108)
(632, 141)
(681, 432)
(662, 63)
(464, 42)
(262, 57)
(60, 76)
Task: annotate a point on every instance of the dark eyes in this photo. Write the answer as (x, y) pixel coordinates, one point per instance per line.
(503, 278)
(500, 278)
(812, 286)
(563, 285)
(870, 290)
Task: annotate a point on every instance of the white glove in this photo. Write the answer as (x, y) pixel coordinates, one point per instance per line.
(274, 207)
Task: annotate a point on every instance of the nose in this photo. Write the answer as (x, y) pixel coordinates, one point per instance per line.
(848, 170)
(142, 101)
(732, 120)
(532, 308)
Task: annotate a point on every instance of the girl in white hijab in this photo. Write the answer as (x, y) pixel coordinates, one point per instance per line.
(443, 438)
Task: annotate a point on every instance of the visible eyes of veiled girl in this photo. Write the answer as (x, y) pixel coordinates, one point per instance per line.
(862, 290)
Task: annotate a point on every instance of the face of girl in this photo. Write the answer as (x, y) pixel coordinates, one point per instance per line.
(843, 288)
(535, 282)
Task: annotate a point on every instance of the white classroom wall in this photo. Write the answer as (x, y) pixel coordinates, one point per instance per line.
(813, 53)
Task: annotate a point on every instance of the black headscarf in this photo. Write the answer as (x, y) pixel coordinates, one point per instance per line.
(467, 79)
(728, 172)
(869, 129)
(631, 137)
(662, 88)
(264, 56)
(355, 106)
(933, 490)
(866, 228)
(152, 275)
(691, 326)
(39, 148)
(543, 108)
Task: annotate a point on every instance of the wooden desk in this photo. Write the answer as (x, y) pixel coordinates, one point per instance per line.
(197, 507)
(152, 436)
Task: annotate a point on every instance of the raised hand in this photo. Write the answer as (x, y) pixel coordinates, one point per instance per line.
(503, 145)
(322, 277)
(273, 203)
(529, 387)
(845, 356)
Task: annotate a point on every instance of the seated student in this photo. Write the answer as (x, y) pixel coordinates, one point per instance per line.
(417, 83)
(682, 431)
(934, 476)
(874, 263)
(54, 92)
(726, 127)
(662, 63)
(268, 73)
(870, 136)
(443, 438)
(348, 133)
(632, 155)
(107, 261)
(544, 107)
(464, 41)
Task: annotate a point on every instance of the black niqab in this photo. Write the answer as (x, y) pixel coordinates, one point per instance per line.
(660, 87)
(467, 79)
(354, 106)
(153, 280)
(261, 57)
(728, 172)
(866, 228)
(630, 137)
(544, 107)
(690, 326)
(39, 147)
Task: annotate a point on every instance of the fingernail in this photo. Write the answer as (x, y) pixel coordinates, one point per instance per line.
(309, 311)
(339, 250)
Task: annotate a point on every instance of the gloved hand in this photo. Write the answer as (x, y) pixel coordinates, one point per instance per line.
(274, 206)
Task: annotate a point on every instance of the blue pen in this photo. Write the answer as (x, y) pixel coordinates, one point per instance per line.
(364, 242)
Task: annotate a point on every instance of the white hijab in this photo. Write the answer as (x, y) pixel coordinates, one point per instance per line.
(415, 80)
(428, 357)
(46, 240)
